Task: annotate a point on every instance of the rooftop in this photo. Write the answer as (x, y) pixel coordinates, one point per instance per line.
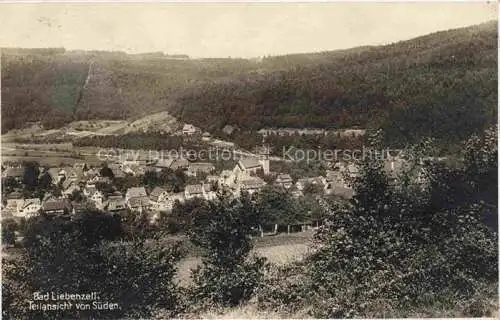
(249, 163)
(56, 204)
(136, 192)
(194, 189)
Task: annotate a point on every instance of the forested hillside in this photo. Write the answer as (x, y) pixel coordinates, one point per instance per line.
(57, 86)
(442, 85)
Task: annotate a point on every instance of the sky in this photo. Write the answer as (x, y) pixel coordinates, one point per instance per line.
(229, 29)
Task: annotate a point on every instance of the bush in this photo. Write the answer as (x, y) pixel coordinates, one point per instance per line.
(285, 289)
(9, 228)
(228, 275)
(402, 245)
(82, 256)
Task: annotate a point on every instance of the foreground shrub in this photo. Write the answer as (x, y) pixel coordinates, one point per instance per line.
(402, 244)
(285, 289)
(64, 256)
(228, 274)
(411, 245)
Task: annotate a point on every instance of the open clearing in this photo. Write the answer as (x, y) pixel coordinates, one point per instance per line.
(281, 249)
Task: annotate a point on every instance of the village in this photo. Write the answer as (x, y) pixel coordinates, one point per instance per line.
(68, 190)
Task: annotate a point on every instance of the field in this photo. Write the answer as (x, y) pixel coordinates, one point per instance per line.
(280, 250)
(51, 155)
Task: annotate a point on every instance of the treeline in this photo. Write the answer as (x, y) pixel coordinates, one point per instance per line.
(278, 211)
(437, 85)
(249, 140)
(137, 140)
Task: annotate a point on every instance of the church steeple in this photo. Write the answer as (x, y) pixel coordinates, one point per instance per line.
(264, 156)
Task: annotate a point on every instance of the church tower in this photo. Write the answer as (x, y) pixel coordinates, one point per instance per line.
(264, 157)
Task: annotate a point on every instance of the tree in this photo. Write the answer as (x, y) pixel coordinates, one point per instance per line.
(311, 189)
(9, 184)
(174, 180)
(181, 217)
(30, 177)
(228, 274)
(9, 228)
(276, 207)
(398, 243)
(105, 187)
(76, 195)
(106, 172)
(150, 179)
(83, 255)
(45, 181)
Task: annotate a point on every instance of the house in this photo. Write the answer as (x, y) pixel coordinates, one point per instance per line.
(114, 195)
(284, 180)
(247, 167)
(97, 197)
(350, 133)
(161, 200)
(158, 194)
(89, 189)
(303, 182)
(194, 191)
(168, 203)
(212, 179)
(64, 173)
(251, 185)
(98, 179)
(134, 169)
(81, 166)
(205, 136)
(138, 204)
(30, 207)
(92, 172)
(161, 164)
(135, 192)
(333, 180)
(14, 173)
(335, 184)
(69, 186)
(56, 206)
(117, 170)
(197, 167)
(226, 178)
(55, 175)
(137, 199)
(82, 207)
(210, 192)
(350, 169)
(291, 131)
(179, 164)
(71, 173)
(15, 201)
(115, 204)
(188, 129)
